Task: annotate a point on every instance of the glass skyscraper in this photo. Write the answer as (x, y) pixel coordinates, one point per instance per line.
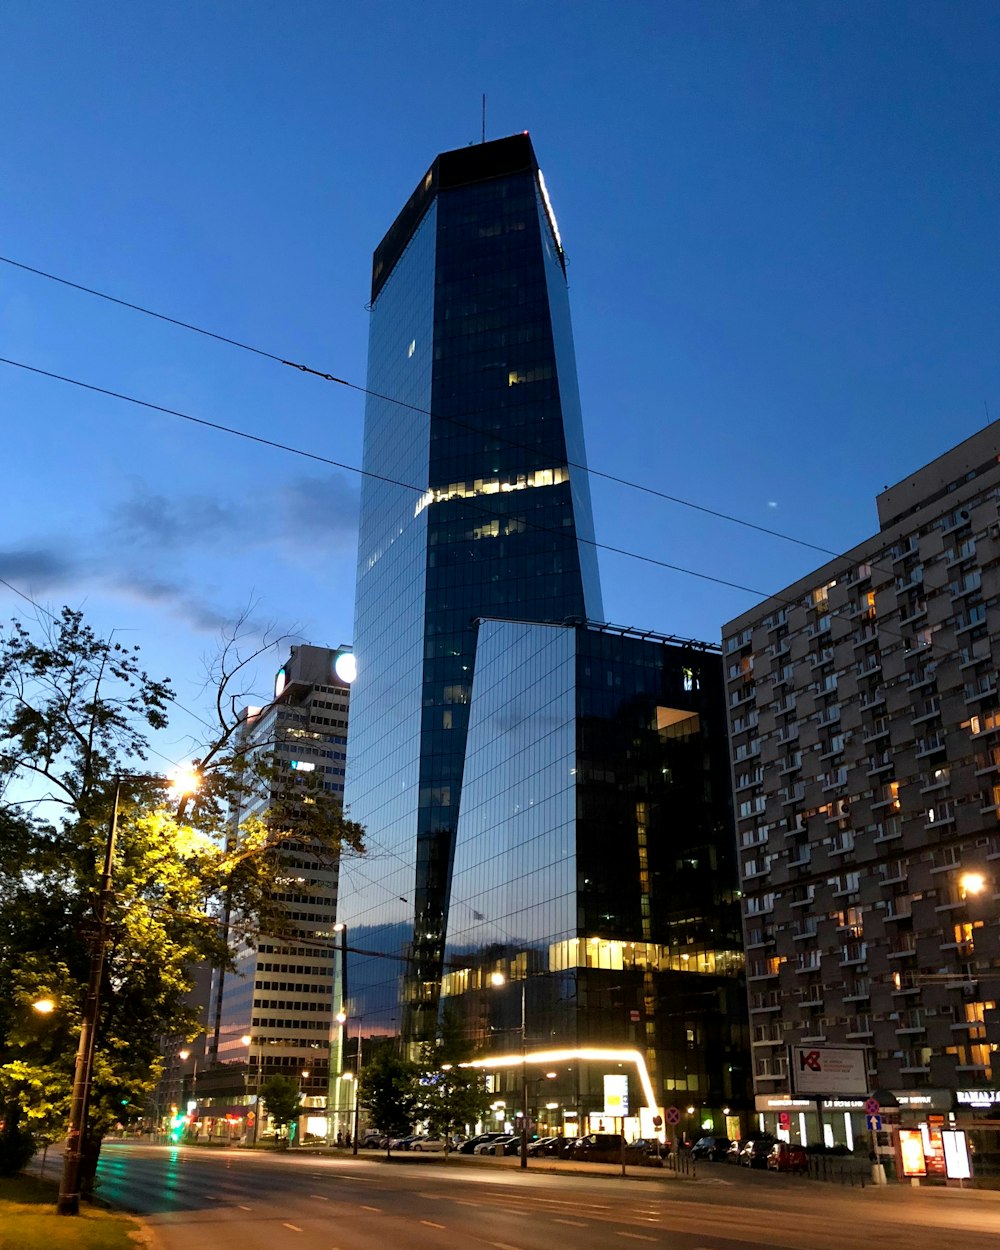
(546, 798)
(475, 503)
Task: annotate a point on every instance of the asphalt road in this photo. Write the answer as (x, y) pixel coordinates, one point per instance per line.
(195, 1199)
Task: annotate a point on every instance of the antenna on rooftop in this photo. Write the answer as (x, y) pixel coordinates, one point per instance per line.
(484, 117)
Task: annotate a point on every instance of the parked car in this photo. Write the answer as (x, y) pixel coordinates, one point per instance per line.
(554, 1147)
(712, 1148)
(494, 1140)
(598, 1148)
(428, 1143)
(784, 1157)
(469, 1147)
(403, 1143)
(754, 1153)
(644, 1151)
(537, 1147)
(732, 1155)
(373, 1141)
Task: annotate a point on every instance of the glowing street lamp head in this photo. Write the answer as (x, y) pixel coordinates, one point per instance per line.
(497, 979)
(44, 1006)
(246, 1039)
(183, 1054)
(341, 1017)
(972, 882)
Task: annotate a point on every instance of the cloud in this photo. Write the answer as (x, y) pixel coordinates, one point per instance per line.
(173, 521)
(38, 567)
(322, 509)
(316, 509)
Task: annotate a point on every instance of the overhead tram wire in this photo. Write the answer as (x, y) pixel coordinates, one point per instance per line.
(363, 390)
(762, 595)
(379, 477)
(401, 403)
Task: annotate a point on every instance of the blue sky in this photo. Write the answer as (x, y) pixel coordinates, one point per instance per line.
(781, 221)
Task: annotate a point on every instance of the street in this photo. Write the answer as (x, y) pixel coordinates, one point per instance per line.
(196, 1198)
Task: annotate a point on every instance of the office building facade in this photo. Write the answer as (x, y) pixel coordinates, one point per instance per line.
(864, 723)
(595, 878)
(274, 1013)
(482, 508)
(477, 535)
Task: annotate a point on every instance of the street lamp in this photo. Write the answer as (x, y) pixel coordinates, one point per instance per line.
(183, 1056)
(68, 1202)
(497, 979)
(341, 1018)
(44, 1006)
(247, 1040)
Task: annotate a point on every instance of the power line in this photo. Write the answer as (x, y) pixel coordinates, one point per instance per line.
(364, 390)
(419, 491)
(351, 468)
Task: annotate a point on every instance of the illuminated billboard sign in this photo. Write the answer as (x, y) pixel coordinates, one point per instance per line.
(828, 1071)
(911, 1152)
(616, 1095)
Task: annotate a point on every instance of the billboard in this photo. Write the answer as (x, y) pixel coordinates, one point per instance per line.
(828, 1071)
(616, 1096)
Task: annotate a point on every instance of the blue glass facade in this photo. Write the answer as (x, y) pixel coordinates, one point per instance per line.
(595, 867)
(472, 511)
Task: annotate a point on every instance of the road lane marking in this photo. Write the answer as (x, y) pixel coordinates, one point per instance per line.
(320, 1197)
(502, 1245)
(294, 1227)
(571, 1223)
(431, 1224)
(243, 1208)
(635, 1236)
(364, 1208)
(464, 1202)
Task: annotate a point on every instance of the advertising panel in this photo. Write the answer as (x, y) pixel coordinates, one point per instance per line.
(616, 1096)
(911, 1152)
(956, 1155)
(827, 1071)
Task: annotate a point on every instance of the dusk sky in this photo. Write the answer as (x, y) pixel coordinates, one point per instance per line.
(782, 227)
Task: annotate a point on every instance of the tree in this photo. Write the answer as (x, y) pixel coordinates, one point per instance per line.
(75, 712)
(389, 1090)
(282, 1096)
(452, 1097)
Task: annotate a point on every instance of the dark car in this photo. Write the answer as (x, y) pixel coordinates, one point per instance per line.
(598, 1148)
(644, 1151)
(537, 1147)
(784, 1157)
(754, 1153)
(712, 1148)
(554, 1147)
(469, 1147)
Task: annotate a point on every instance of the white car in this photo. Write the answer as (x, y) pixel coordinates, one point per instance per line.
(428, 1143)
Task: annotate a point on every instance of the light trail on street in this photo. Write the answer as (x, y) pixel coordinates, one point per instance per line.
(194, 1198)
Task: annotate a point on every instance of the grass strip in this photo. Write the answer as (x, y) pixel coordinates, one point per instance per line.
(28, 1221)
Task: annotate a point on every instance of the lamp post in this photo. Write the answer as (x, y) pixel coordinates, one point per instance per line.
(247, 1040)
(496, 980)
(68, 1202)
(183, 1056)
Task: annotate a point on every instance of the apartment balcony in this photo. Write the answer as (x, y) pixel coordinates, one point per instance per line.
(915, 1069)
(813, 1039)
(873, 735)
(902, 950)
(929, 746)
(913, 612)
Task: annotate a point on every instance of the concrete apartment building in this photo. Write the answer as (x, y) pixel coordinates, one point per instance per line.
(865, 743)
